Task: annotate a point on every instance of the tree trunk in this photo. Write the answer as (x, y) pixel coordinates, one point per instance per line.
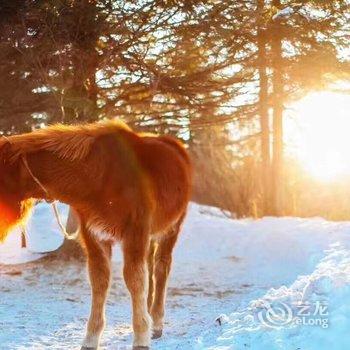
(72, 221)
(264, 111)
(277, 83)
(23, 238)
(70, 249)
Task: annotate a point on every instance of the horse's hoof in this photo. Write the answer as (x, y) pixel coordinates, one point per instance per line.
(157, 333)
(140, 347)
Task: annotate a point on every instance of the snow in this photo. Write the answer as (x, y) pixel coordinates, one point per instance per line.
(273, 283)
(42, 236)
(327, 287)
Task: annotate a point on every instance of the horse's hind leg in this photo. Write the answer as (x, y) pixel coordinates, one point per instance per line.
(162, 266)
(135, 249)
(150, 261)
(99, 266)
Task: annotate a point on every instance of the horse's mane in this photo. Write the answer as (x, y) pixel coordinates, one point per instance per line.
(68, 142)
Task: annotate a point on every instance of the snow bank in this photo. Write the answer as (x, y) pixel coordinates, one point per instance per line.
(312, 313)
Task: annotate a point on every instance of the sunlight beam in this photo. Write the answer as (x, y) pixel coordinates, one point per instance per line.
(319, 134)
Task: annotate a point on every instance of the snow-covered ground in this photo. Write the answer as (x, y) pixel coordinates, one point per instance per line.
(236, 284)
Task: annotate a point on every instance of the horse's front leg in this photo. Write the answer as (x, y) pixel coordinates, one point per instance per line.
(99, 266)
(135, 249)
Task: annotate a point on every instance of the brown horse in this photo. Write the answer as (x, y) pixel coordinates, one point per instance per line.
(126, 187)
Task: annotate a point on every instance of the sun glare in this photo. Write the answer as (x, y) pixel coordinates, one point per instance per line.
(319, 134)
